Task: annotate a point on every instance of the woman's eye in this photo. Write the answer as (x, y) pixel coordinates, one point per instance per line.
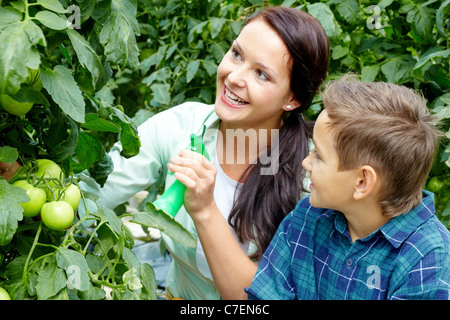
(235, 53)
(260, 74)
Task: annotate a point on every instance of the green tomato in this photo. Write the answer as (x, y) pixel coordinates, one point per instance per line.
(37, 196)
(435, 185)
(4, 295)
(15, 107)
(71, 195)
(57, 215)
(48, 169)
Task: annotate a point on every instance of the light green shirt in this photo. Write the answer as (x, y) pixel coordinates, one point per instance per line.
(162, 136)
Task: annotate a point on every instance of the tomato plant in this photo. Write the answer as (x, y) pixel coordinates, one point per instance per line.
(63, 60)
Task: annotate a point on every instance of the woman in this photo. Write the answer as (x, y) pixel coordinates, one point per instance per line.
(235, 202)
(269, 76)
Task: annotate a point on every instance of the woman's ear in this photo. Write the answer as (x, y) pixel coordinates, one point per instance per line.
(366, 183)
(292, 104)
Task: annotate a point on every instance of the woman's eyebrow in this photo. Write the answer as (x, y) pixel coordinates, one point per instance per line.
(261, 65)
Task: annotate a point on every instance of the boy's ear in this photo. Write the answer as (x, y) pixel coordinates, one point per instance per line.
(366, 182)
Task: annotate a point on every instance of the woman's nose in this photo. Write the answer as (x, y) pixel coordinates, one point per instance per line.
(237, 77)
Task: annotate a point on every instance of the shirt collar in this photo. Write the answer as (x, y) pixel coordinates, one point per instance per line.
(208, 132)
(398, 229)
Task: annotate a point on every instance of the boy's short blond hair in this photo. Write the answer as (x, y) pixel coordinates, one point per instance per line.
(388, 127)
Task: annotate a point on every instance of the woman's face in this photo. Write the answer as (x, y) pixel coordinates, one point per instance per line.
(253, 79)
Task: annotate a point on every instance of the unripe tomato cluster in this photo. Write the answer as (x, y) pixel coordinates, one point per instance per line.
(55, 203)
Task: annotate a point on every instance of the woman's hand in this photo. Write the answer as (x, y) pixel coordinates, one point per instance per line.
(198, 175)
(231, 268)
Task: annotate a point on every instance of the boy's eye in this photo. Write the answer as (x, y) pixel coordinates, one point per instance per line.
(316, 155)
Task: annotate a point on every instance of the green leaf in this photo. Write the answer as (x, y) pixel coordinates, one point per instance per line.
(323, 13)
(369, 73)
(53, 5)
(62, 140)
(61, 85)
(427, 60)
(114, 223)
(118, 33)
(130, 141)
(89, 149)
(93, 293)
(161, 93)
(8, 154)
(52, 20)
(94, 122)
(18, 50)
(148, 280)
(420, 17)
(339, 52)
(440, 20)
(397, 68)
(10, 210)
(16, 285)
(87, 56)
(51, 280)
(192, 69)
(76, 268)
(157, 219)
(210, 67)
(349, 9)
(216, 26)
(131, 279)
(29, 94)
(100, 170)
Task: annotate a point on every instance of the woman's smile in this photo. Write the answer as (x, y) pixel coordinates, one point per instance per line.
(231, 99)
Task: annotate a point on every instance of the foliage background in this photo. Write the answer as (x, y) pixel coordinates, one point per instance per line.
(108, 65)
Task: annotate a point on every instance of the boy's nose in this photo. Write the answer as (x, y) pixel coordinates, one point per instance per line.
(306, 163)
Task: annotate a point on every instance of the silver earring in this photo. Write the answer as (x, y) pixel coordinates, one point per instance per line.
(288, 107)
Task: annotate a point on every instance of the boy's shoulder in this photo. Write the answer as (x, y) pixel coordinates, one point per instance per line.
(307, 216)
(431, 238)
(305, 210)
(419, 229)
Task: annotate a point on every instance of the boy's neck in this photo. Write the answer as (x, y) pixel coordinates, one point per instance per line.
(363, 219)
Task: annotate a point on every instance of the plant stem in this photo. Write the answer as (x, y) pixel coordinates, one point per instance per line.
(35, 242)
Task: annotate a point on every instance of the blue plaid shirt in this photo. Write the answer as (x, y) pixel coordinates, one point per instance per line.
(312, 257)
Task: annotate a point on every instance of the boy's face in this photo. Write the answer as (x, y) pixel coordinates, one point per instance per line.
(330, 188)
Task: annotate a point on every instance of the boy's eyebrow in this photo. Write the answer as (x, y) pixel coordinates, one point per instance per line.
(316, 146)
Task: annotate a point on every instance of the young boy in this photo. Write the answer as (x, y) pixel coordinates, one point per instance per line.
(367, 230)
